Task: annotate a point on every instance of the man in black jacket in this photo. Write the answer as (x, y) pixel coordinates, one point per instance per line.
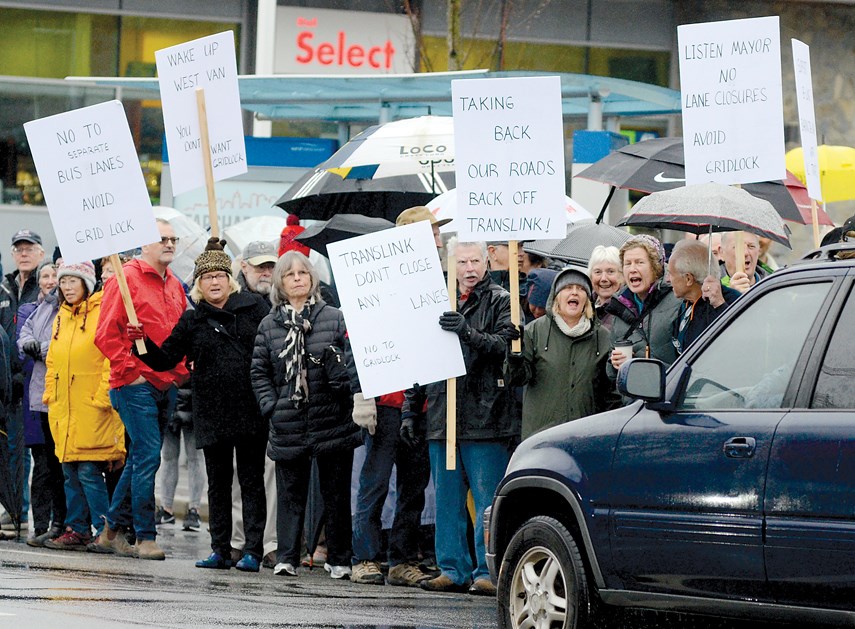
(487, 422)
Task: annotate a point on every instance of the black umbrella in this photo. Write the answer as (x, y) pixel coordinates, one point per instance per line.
(320, 194)
(659, 164)
(341, 227)
(580, 242)
(11, 476)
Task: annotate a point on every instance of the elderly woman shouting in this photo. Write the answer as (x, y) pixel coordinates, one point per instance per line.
(646, 309)
(563, 360)
(301, 381)
(217, 340)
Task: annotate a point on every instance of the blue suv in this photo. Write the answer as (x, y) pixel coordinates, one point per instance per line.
(727, 487)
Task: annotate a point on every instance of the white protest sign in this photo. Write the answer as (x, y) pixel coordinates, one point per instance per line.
(392, 294)
(807, 117)
(733, 114)
(92, 181)
(208, 63)
(509, 158)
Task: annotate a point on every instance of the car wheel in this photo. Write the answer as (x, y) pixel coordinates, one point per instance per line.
(542, 581)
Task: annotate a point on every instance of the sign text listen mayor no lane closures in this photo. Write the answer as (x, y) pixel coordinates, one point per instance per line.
(733, 115)
(92, 181)
(208, 63)
(392, 294)
(509, 158)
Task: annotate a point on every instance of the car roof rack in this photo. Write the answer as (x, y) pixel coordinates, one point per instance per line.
(830, 253)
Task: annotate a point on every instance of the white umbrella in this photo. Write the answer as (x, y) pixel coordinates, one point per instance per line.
(193, 238)
(445, 206)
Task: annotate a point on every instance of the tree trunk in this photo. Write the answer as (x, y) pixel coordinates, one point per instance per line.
(454, 59)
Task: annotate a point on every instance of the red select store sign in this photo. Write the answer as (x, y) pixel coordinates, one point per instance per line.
(342, 53)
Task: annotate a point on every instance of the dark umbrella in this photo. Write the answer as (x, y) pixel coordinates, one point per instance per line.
(580, 242)
(659, 164)
(320, 194)
(11, 478)
(341, 227)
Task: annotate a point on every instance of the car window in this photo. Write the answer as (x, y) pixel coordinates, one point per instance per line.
(834, 386)
(750, 363)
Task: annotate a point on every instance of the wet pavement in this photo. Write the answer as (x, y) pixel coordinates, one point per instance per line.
(44, 588)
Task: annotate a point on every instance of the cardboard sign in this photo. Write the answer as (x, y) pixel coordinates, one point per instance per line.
(208, 63)
(509, 155)
(807, 118)
(733, 115)
(92, 181)
(392, 294)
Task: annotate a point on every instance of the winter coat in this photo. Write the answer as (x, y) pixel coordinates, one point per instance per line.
(702, 315)
(486, 408)
(652, 327)
(159, 303)
(39, 327)
(565, 378)
(83, 423)
(321, 423)
(219, 343)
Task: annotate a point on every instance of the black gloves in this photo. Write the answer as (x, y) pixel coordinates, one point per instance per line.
(33, 349)
(412, 430)
(454, 322)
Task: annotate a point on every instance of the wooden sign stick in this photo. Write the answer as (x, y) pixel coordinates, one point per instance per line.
(451, 383)
(739, 244)
(514, 276)
(814, 216)
(206, 161)
(126, 298)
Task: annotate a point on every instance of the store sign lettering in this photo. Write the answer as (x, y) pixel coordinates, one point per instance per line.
(343, 53)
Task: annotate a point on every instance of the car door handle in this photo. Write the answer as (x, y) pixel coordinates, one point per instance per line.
(739, 447)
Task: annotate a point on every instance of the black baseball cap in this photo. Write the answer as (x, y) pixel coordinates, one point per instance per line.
(27, 235)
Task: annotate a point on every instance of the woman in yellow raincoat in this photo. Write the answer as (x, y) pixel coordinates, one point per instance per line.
(88, 433)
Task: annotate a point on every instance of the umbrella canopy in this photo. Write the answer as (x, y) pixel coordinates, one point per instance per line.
(445, 206)
(659, 164)
(836, 170)
(341, 227)
(264, 228)
(423, 145)
(12, 467)
(580, 242)
(320, 195)
(708, 207)
(193, 238)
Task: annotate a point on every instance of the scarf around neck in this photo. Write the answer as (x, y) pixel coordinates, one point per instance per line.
(577, 330)
(293, 352)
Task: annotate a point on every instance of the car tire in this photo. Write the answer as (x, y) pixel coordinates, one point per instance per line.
(542, 580)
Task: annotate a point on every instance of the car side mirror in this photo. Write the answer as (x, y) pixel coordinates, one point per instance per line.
(642, 379)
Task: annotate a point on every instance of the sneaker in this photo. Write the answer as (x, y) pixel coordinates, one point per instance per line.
(443, 583)
(192, 521)
(285, 569)
(70, 540)
(38, 540)
(482, 587)
(338, 572)
(163, 517)
(215, 561)
(406, 575)
(269, 560)
(148, 549)
(248, 563)
(368, 573)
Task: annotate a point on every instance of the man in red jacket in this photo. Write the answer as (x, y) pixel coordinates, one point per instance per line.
(144, 398)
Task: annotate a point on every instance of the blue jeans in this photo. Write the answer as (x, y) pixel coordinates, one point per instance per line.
(480, 467)
(383, 450)
(85, 494)
(144, 410)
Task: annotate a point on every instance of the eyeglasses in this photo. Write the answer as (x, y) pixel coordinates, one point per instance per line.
(25, 249)
(173, 239)
(210, 277)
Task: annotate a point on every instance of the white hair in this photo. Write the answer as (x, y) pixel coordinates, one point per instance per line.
(600, 254)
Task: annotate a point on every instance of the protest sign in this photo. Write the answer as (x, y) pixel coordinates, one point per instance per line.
(392, 293)
(208, 64)
(92, 181)
(509, 158)
(807, 117)
(733, 116)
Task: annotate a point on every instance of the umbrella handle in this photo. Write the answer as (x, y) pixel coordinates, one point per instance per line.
(605, 205)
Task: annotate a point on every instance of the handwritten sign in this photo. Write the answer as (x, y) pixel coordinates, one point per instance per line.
(807, 117)
(208, 63)
(92, 181)
(392, 294)
(733, 115)
(509, 156)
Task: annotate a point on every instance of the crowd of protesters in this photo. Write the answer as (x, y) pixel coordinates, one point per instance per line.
(269, 393)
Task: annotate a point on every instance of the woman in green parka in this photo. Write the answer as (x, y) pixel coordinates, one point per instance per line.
(563, 360)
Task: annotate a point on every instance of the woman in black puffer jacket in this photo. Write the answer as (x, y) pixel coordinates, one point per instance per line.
(300, 377)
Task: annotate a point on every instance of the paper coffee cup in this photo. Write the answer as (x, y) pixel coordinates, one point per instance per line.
(625, 348)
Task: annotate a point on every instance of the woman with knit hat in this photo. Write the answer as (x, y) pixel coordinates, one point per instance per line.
(217, 340)
(563, 360)
(89, 436)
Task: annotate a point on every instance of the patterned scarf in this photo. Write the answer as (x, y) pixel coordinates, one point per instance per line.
(293, 352)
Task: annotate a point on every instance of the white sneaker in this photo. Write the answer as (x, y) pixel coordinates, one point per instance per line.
(338, 572)
(285, 569)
